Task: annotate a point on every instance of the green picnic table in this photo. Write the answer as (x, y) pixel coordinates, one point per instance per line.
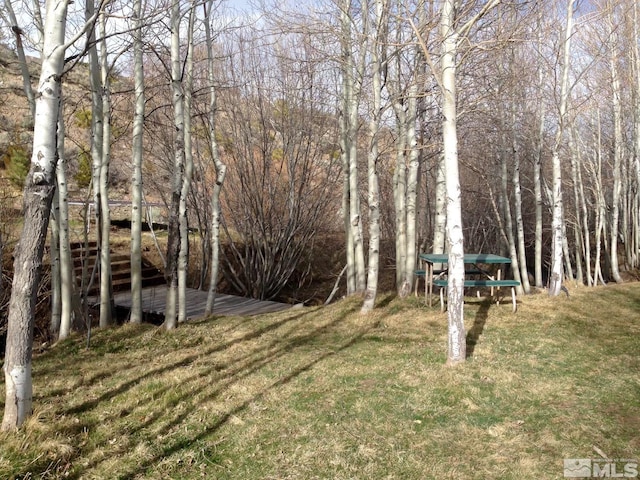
(475, 259)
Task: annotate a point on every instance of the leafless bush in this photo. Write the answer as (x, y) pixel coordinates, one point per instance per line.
(283, 168)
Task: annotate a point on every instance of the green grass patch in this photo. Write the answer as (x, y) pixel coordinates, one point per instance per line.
(330, 393)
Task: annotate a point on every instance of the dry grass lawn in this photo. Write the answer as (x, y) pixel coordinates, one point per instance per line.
(328, 393)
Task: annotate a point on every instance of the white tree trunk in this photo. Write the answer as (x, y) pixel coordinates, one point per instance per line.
(636, 143)
(405, 179)
(38, 194)
(586, 234)
(372, 165)
(596, 175)
(221, 168)
(412, 187)
(350, 251)
(22, 59)
(440, 221)
(451, 32)
(556, 277)
(397, 94)
(106, 286)
(67, 280)
(585, 231)
(400, 191)
(568, 267)
(617, 146)
(97, 131)
(537, 169)
(555, 281)
(523, 275)
(577, 229)
(183, 256)
(345, 45)
(537, 192)
(354, 199)
(173, 242)
(350, 96)
(457, 347)
(136, 180)
(54, 259)
(508, 223)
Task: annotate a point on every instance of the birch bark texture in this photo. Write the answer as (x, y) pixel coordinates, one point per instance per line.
(457, 348)
(220, 167)
(136, 156)
(97, 143)
(38, 195)
(618, 141)
(22, 59)
(66, 278)
(556, 277)
(173, 240)
(54, 259)
(452, 31)
(351, 88)
(106, 285)
(372, 159)
(183, 256)
(636, 145)
(537, 156)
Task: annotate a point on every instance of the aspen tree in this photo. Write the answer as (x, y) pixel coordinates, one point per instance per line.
(451, 34)
(173, 241)
(22, 59)
(136, 156)
(455, 301)
(380, 8)
(66, 280)
(183, 254)
(38, 195)
(60, 252)
(537, 159)
(351, 88)
(555, 281)
(106, 284)
(220, 167)
(617, 143)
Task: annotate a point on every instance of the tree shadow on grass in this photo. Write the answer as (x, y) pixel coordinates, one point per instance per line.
(223, 375)
(56, 357)
(474, 333)
(385, 300)
(187, 360)
(221, 378)
(185, 443)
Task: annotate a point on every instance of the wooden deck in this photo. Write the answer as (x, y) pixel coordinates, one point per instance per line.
(154, 299)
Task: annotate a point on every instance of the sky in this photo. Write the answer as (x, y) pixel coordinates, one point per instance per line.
(240, 5)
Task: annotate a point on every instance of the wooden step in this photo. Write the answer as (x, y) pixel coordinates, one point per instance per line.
(147, 272)
(80, 245)
(120, 268)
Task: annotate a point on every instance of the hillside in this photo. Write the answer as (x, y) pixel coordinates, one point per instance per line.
(16, 126)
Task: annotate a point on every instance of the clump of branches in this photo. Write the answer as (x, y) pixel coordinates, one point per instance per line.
(283, 170)
(278, 201)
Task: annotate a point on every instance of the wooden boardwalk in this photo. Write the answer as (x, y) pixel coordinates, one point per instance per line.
(154, 299)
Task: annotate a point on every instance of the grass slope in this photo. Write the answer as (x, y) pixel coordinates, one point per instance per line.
(329, 393)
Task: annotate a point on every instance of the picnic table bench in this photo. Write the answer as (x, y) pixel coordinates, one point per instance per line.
(443, 283)
(438, 278)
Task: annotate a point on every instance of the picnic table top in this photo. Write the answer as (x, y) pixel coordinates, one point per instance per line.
(468, 258)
